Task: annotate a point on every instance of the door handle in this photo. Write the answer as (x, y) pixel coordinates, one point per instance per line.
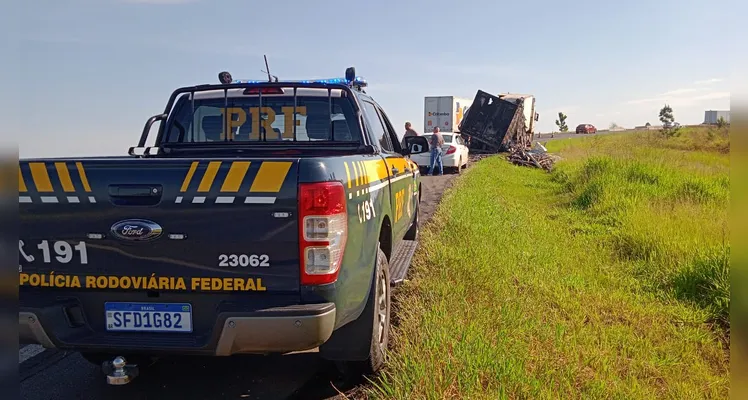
(395, 171)
(135, 195)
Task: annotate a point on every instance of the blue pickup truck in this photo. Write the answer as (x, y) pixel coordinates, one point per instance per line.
(267, 217)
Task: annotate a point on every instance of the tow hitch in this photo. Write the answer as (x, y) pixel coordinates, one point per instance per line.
(118, 372)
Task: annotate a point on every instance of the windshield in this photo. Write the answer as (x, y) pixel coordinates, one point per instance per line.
(318, 118)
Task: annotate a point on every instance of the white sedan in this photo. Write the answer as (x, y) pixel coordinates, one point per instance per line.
(454, 153)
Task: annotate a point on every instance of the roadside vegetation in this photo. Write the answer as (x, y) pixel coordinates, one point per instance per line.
(607, 278)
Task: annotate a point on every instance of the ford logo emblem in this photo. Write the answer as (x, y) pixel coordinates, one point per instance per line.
(136, 230)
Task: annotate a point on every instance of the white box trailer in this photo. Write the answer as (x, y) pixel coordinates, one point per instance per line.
(446, 112)
(528, 106)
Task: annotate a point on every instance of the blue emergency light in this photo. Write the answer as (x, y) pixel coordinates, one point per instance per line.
(350, 79)
(357, 81)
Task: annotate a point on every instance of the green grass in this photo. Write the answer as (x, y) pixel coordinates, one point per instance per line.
(607, 278)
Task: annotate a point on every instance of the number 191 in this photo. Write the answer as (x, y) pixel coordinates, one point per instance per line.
(63, 251)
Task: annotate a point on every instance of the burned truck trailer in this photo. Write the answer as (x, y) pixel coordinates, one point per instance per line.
(495, 124)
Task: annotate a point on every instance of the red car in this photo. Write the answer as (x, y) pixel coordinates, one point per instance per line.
(586, 128)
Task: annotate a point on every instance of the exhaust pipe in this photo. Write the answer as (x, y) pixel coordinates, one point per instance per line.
(118, 372)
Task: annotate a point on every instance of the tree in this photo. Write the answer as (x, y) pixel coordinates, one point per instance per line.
(667, 118)
(561, 122)
(647, 124)
(613, 126)
(721, 122)
(666, 115)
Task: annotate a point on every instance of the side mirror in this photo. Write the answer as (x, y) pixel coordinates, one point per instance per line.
(416, 145)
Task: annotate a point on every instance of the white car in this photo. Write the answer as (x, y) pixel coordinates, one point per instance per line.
(454, 153)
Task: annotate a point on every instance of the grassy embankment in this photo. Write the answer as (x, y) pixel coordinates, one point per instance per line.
(606, 279)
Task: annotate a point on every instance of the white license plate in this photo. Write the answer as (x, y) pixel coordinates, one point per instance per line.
(148, 317)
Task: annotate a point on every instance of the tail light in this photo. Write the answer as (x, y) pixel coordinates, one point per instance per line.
(451, 149)
(323, 231)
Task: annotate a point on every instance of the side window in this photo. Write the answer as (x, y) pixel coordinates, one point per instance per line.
(377, 127)
(390, 130)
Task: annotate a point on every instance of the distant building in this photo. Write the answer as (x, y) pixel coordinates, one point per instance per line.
(711, 117)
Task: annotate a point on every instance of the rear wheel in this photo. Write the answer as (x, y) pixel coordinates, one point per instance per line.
(378, 308)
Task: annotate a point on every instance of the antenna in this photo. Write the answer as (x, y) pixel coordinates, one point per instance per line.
(267, 71)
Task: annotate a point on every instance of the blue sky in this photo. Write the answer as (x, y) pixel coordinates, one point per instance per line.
(87, 74)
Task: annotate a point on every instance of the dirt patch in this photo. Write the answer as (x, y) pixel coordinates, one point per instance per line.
(432, 189)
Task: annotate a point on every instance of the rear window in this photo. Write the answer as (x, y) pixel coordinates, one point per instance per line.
(241, 118)
(447, 138)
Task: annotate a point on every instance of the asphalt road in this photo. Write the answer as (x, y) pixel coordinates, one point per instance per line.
(56, 375)
(556, 136)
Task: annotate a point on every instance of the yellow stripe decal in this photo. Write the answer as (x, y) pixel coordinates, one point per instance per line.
(363, 169)
(347, 173)
(188, 177)
(270, 177)
(21, 182)
(82, 175)
(64, 174)
(235, 177)
(357, 173)
(209, 177)
(41, 177)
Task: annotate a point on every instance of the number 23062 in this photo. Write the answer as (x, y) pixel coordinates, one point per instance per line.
(243, 260)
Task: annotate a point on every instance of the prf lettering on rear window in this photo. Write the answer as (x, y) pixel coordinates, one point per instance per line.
(236, 117)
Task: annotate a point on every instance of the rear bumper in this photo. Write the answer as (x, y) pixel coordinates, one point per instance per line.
(274, 330)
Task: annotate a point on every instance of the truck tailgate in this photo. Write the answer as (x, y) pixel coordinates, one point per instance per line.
(134, 230)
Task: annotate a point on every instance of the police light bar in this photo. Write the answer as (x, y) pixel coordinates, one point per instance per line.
(350, 79)
(357, 81)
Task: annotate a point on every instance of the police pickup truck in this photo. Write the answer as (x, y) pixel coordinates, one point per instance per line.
(267, 217)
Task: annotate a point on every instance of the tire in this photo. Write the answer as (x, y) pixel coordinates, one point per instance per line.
(414, 230)
(377, 307)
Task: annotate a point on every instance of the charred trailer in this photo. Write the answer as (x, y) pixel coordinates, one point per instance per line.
(495, 124)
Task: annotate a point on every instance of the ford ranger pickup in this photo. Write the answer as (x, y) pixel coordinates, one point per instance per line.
(267, 217)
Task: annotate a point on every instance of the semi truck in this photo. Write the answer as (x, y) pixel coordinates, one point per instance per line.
(445, 112)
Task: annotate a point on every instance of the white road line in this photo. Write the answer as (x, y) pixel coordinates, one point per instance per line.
(29, 351)
(49, 199)
(178, 199)
(198, 200)
(91, 199)
(24, 199)
(73, 199)
(225, 199)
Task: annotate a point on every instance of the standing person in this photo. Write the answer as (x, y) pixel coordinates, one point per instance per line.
(409, 131)
(436, 142)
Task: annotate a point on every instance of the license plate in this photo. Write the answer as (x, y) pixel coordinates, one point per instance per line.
(148, 317)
